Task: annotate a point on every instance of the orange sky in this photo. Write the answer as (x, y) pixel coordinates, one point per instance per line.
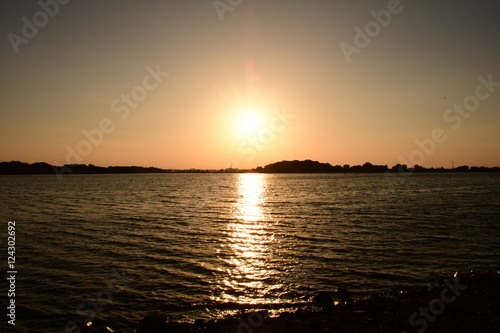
(171, 84)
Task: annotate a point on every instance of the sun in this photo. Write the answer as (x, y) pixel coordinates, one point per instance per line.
(249, 123)
(247, 119)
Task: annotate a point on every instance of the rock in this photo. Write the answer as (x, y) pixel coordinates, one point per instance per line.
(200, 323)
(153, 323)
(343, 294)
(324, 299)
(254, 319)
(174, 327)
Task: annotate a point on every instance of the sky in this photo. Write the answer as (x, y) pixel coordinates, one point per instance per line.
(241, 83)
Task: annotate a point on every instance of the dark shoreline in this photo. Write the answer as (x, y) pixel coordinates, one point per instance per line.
(466, 302)
(307, 166)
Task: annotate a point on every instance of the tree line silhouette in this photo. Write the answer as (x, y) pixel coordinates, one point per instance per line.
(309, 166)
(306, 166)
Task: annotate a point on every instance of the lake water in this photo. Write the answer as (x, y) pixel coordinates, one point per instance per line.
(196, 245)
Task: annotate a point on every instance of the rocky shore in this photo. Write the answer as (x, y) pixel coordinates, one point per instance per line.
(465, 302)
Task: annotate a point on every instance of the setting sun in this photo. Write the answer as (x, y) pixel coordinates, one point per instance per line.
(250, 123)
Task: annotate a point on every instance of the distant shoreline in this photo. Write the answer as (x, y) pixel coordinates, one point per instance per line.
(307, 166)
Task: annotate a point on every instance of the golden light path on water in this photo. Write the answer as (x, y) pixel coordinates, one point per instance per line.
(248, 281)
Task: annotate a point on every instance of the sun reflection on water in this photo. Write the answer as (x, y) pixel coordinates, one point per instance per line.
(251, 188)
(247, 278)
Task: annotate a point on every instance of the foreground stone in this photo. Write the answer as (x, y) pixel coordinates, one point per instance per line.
(467, 302)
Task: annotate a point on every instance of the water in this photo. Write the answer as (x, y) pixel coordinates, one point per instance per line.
(200, 245)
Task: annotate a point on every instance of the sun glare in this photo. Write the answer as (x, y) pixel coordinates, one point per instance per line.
(249, 123)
